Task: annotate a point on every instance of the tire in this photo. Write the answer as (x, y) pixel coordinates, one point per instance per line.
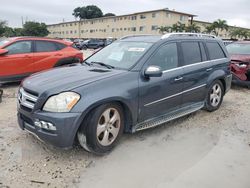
(101, 132)
(214, 96)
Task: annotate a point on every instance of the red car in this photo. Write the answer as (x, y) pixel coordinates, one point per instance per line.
(240, 62)
(22, 56)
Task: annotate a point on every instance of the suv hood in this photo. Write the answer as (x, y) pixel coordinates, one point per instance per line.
(67, 78)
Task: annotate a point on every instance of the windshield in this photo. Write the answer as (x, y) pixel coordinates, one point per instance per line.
(3, 41)
(239, 48)
(121, 55)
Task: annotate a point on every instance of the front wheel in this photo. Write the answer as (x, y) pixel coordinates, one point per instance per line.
(214, 96)
(104, 126)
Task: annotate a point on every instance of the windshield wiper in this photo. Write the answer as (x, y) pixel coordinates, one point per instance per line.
(103, 64)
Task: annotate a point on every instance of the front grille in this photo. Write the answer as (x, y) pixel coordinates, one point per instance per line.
(26, 99)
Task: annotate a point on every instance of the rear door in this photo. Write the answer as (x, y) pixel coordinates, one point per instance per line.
(46, 54)
(18, 61)
(160, 95)
(196, 71)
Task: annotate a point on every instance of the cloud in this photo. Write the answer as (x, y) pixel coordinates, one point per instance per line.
(54, 11)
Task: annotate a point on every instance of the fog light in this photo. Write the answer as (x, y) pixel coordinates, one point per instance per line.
(45, 125)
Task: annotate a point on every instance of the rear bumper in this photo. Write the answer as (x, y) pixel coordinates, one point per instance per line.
(66, 126)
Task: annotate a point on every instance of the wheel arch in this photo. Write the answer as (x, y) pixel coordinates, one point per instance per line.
(128, 117)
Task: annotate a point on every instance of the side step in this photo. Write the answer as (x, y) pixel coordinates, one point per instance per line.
(168, 117)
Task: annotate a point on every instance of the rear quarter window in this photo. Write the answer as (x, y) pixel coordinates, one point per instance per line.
(191, 52)
(46, 46)
(215, 51)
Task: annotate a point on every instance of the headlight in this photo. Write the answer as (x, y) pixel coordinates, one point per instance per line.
(62, 102)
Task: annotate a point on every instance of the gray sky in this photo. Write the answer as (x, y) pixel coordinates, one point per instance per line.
(54, 11)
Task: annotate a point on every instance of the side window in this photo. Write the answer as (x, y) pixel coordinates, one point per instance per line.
(45, 46)
(60, 46)
(215, 51)
(19, 47)
(191, 52)
(166, 57)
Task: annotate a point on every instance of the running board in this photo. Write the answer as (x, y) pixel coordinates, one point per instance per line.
(169, 117)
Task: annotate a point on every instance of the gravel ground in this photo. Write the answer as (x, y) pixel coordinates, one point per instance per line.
(200, 150)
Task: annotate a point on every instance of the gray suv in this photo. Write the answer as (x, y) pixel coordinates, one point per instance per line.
(137, 82)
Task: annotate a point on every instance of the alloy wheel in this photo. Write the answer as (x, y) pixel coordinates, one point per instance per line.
(108, 126)
(215, 95)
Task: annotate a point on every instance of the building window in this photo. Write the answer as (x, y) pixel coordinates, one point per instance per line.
(128, 29)
(182, 18)
(67, 32)
(120, 29)
(75, 23)
(133, 17)
(120, 18)
(62, 25)
(142, 28)
(125, 29)
(113, 29)
(82, 31)
(75, 31)
(153, 15)
(168, 15)
(142, 16)
(133, 28)
(154, 27)
(71, 32)
(70, 24)
(104, 30)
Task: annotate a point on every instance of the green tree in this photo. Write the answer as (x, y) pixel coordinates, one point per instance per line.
(35, 29)
(240, 33)
(108, 14)
(87, 12)
(219, 26)
(178, 27)
(9, 32)
(18, 31)
(3, 25)
(164, 29)
(209, 29)
(193, 28)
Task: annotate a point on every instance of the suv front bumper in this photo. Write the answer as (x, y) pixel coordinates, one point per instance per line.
(66, 125)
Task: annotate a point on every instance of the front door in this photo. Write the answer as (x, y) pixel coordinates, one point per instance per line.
(160, 95)
(18, 61)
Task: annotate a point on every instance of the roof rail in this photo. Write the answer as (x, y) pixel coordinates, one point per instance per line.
(187, 35)
(136, 35)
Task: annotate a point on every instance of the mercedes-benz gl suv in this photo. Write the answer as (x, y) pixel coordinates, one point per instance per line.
(135, 83)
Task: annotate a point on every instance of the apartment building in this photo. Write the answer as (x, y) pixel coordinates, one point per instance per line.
(117, 26)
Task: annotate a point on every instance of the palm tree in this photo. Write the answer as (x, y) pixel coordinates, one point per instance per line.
(219, 26)
(193, 28)
(240, 33)
(162, 29)
(178, 27)
(209, 29)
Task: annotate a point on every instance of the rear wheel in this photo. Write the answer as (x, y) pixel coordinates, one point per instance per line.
(104, 127)
(214, 96)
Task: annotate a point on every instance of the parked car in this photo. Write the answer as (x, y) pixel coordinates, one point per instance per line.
(93, 43)
(22, 56)
(240, 62)
(135, 83)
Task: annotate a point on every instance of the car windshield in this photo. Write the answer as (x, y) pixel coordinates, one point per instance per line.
(239, 48)
(4, 41)
(121, 55)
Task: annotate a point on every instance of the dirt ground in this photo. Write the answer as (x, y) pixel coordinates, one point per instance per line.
(202, 150)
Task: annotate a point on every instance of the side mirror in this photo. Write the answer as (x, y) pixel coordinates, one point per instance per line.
(153, 71)
(3, 51)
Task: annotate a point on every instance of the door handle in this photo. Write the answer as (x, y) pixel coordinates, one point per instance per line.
(178, 78)
(209, 69)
